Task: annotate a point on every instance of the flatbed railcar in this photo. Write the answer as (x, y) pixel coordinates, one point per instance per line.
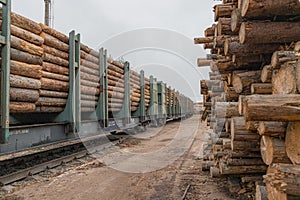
(55, 89)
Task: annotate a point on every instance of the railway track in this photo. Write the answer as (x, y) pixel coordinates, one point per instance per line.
(18, 166)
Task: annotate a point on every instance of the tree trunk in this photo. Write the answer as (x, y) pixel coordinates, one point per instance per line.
(54, 42)
(224, 27)
(265, 32)
(281, 57)
(261, 88)
(25, 46)
(226, 109)
(236, 20)
(55, 76)
(48, 93)
(55, 60)
(51, 102)
(24, 57)
(243, 162)
(274, 129)
(62, 37)
(49, 109)
(21, 107)
(54, 85)
(49, 67)
(89, 64)
(261, 193)
(27, 70)
(89, 57)
(237, 170)
(270, 8)
(292, 142)
(272, 108)
(250, 146)
(242, 81)
(266, 74)
(23, 95)
(56, 52)
(24, 82)
(223, 10)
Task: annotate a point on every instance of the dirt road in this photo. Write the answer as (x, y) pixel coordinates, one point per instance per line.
(95, 180)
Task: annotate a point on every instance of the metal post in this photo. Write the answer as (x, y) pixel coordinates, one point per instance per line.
(5, 70)
(47, 12)
(142, 102)
(127, 103)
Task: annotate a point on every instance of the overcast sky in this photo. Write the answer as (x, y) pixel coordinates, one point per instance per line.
(156, 36)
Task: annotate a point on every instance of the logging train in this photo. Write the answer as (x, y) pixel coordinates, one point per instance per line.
(54, 87)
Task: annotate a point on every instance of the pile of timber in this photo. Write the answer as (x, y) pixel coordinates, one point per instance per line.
(252, 98)
(55, 74)
(89, 78)
(26, 64)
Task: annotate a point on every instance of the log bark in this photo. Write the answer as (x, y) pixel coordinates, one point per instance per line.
(24, 82)
(270, 8)
(89, 50)
(23, 95)
(261, 88)
(273, 150)
(272, 108)
(27, 70)
(25, 46)
(55, 76)
(223, 10)
(243, 162)
(224, 27)
(273, 129)
(90, 71)
(49, 93)
(284, 82)
(261, 193)
(54, 42)
(236, 48)
(89, 64)
(242, 81)
(55, 60)
(266, 74)
(237, 170)
(54, 85)
(21, 107)
(89, 90)
(55, 52)
(89, 97)
(49, 109)
(89, 57)
(249, 146)
(51, 102)
(241, 104)
(292, 142)
(226, 109)
(265, 32)
(209, 32)
(49, 67)
(203, 40)
(281, 57)
(25, 57)
(62, 37)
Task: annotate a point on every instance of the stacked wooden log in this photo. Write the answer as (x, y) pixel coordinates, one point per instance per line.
(26, 64)
(252, 98)
(55, 73)
(89, 78)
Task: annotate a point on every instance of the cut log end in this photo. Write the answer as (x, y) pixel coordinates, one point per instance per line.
(245, 6)
(242, 33)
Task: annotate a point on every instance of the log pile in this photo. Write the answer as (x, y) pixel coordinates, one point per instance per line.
(251, 101)
(39, 77)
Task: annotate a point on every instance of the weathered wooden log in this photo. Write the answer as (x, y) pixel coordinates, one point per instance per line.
(292, 142)
(232, 170)
(24, 57)
(274, 129)
(25, 35)
(89, 97)
(21, 107)
(243, 162)
(56, 52)
(89, 90)
(49, 109)
(223, 10)
(54, 42)
(62, 37)
(89, 64)
(242, 81)
(224, 27)
(55, 76)
(89, 57)
(54, 85)
(280, 57)
(269, 8)
(24, 82)
(252, 126)
(49, 93)
(209, 32)
(49, 67)
(284, 178)
(255, 178)
(23, 95)
(298, 75)
(203, 40)
(90, 83)
(244, 154)
(236, 48)
(55, 60)
(203, 62)
(261, 88)
(273, 150)
(272, 108)
(93, 78)
(226, 109)
(90, 104)
(265, 32)
(236, 20)
(284, 82)
(214, 172)
(251, 59)
(89, 71)
(266, 74)
(25, 46)
(24, 23)
(261, 193)
(27, 70)
(89, 50)
(250, 146)
(51, 102)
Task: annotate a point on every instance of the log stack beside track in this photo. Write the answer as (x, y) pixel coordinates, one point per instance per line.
(252, 98)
